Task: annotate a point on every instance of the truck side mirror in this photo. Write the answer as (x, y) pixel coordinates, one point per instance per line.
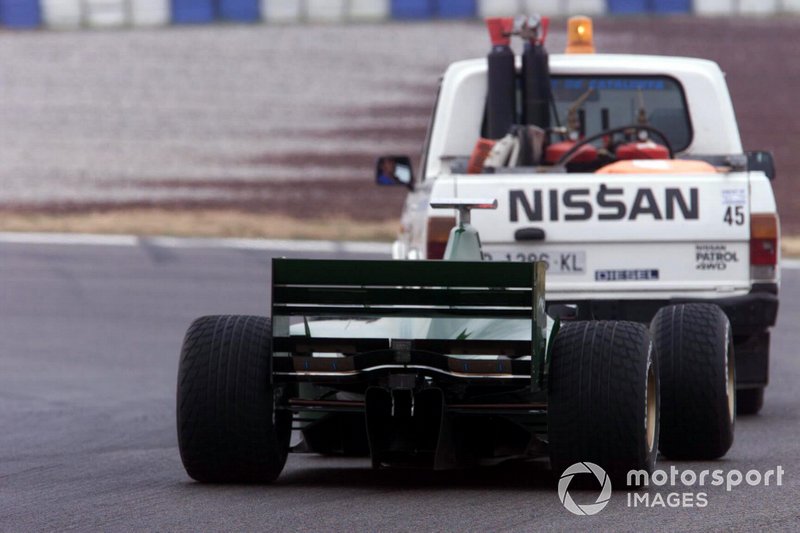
(394, 170)
(762, 160)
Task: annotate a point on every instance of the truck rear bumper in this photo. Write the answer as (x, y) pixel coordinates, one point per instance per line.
(750, 313)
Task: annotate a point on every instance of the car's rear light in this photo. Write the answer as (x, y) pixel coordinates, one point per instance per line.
(438, 233)
(763, 245)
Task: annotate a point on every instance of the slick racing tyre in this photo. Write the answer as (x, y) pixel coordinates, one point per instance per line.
(228, 428)
(603, 404)
(696, 366)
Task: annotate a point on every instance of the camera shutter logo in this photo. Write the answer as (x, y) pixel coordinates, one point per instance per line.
(589, 508)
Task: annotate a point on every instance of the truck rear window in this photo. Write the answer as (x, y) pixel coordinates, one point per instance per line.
(614, 101)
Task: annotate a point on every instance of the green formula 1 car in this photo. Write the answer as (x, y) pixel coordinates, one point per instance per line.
(418, 363)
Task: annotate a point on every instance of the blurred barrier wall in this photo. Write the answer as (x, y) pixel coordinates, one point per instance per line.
(193, 11)
(631, 7)
(758, 7)
(20, 13)
(370, 9)
(413, 9)
(150, 12)
(66, 14)
(326, 10)
(282, 10)
(61, 14)
(240, 10)
(672, 6)
(457, 8)
(106, 13)
(713, 7)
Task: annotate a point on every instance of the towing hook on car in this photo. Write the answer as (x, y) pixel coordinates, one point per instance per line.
(393, 395)
(402, 384)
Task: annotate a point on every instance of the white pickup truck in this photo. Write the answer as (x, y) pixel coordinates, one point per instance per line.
(642, 199)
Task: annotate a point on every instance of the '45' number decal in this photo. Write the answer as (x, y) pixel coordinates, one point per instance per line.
(734, 215)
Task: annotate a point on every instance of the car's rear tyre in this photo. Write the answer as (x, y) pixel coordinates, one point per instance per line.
(696, 366)
(228, 428)
(749, 401)
(603, 404)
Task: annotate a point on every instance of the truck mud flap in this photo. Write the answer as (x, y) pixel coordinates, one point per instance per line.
(752, 361)
(408, 428)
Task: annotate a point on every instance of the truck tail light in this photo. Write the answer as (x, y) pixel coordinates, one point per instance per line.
(438, 233)
(763, 245)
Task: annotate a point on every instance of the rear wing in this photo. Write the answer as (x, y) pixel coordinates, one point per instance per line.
(304, 289)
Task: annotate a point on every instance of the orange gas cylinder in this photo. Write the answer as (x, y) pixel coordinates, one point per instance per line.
(642, 150)
(586, 154)
(479, 154)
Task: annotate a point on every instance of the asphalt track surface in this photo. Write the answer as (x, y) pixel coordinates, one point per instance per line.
(89, 341)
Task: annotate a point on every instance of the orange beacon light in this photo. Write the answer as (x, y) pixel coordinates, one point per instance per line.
(580, 38)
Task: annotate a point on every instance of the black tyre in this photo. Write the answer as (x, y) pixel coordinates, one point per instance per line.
(749, 401)
(604, 395)
(696, 366)
(228, 429)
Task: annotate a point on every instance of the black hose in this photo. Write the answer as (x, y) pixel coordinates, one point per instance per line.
(564, 159)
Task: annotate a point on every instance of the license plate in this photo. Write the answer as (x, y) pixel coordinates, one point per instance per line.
(558, 262)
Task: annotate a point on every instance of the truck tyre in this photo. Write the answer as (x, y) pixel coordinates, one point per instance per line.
(228, 428)
(749, 401)
(603, 404)
(696, 366)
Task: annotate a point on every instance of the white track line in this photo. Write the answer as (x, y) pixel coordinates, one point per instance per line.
(790, 264)
(87, 239)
